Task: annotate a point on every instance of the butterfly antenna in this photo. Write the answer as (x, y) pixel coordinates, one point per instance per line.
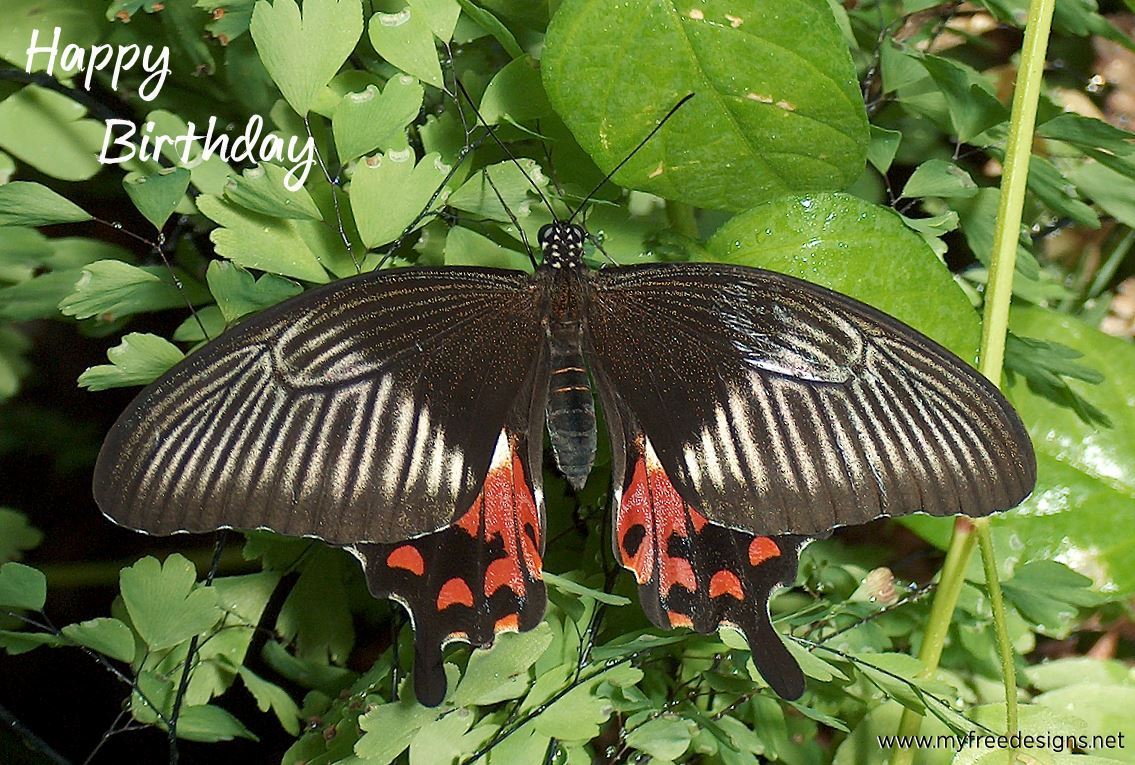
(548, 163)
(626, 159)
(512, 217)
(507, 151)
(595, 240)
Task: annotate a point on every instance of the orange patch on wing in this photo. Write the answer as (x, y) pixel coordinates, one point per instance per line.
(501, 511)
(679, 571)
(762, 549)
(510, 623)
(406, 557)
(454, 592)
(503, 572)
(679, 620)
(725, 582)
(651, 501)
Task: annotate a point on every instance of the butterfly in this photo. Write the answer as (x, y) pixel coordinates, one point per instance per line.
(401, 414)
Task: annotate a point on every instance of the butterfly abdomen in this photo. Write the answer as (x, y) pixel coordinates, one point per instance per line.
(571, 407)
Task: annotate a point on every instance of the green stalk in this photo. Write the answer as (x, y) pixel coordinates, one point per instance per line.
(682, 219)
(997, 604)
(995, 325)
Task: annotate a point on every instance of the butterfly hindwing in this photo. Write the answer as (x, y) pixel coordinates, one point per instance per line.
(779, 406)
(342, 414)
(691, 572)
(482, 574)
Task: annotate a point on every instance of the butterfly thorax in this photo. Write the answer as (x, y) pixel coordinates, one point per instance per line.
(571, 406)
(562, 245)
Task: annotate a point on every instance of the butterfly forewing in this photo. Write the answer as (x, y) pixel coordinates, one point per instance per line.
(364, 411)
(778, 406)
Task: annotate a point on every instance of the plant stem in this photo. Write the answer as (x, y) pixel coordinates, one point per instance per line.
(941, 613)
(682, 220)
(1015, 177)
(995, 326)
(997, 604)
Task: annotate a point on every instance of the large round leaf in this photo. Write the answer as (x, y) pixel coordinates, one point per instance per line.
(1082, 512)
(777, 107)
(860, 249)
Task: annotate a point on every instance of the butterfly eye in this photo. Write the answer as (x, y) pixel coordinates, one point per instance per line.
(544, 234)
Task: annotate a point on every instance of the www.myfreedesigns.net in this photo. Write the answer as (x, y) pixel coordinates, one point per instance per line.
(1054, 742)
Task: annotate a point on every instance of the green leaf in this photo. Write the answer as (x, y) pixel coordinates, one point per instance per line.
(442, 740)
(391, 727)
(579, 713)
(859, 249)
(140, 359)
(157, 195)
(266, 243)
(13, 367)
(491, 24)
(16, 534)
(894, 674)
(238, 293)
(516, 93)
(263, 189)
(271, 696)
(209, 723)
(1080, 512)
(884, 144)
(23, 203)
(972, 108)
(1058, 193)
(575, 588)
(316, 616)
(367, 120)
(758, 128)
(38, 298)
(16, 643)
(22, 587)
(663, 738)
(1048, 593)
(389, 191)
(440, 15)
(406, 41)
(1107, 188)
(106, 635)
(464, 247)
(111, 289)
(513, 184)
(938, 178)
(50, 132)
(502, 671)
(165, 603)
(303, 53)
(206, 324)
(207, 175)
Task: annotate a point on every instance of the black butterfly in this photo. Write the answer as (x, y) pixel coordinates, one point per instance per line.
(401, 413)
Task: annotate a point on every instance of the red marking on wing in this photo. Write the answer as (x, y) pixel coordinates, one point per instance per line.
(454, 592)
(725, 582)
(503, 572)
(679, 620)
(406, 557)
(502, 510)
(651, 501)
(762, 549)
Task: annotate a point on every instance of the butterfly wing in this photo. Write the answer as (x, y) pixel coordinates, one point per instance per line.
(481, 575)
(691, 572)
(778, 406)
(344, 414)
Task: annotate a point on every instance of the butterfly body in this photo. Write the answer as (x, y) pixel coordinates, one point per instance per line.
(401, 414)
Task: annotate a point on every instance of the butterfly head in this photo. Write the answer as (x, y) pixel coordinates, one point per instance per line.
(562, 244)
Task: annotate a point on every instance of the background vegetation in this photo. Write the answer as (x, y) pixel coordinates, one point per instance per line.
(857, 145)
